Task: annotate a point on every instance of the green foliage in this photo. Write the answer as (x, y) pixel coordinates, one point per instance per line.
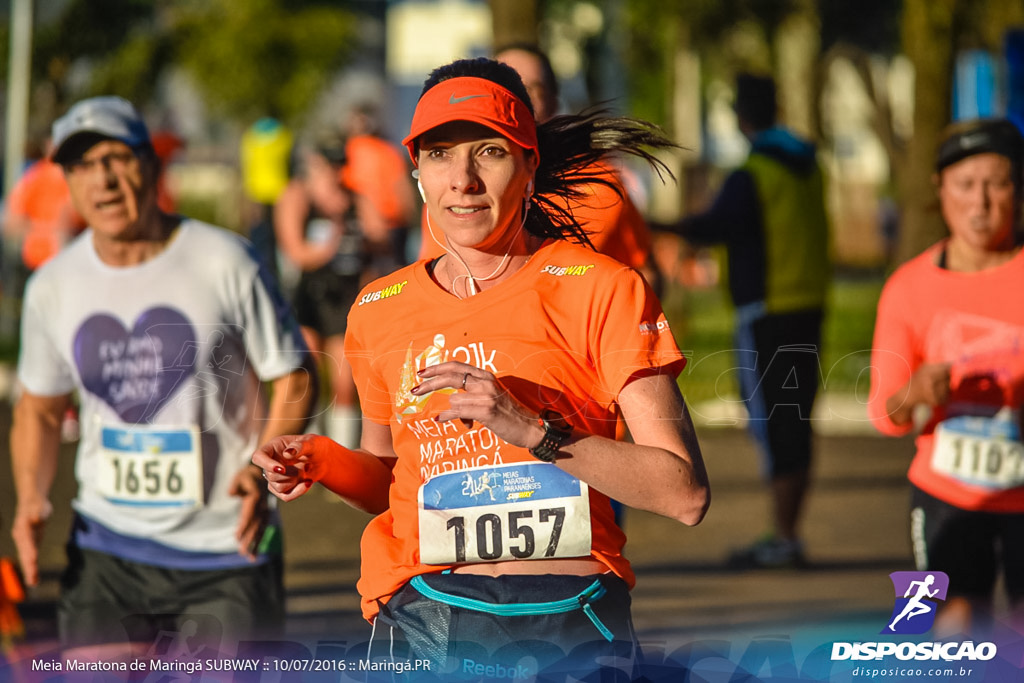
(132, 69)
(848, 334)
(5, 47)
(89, 28)
(873, 25)
(734, 34)
(658, 28)
(247, 58)
(258, 57)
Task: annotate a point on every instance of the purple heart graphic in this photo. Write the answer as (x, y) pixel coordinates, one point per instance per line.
(136, 372)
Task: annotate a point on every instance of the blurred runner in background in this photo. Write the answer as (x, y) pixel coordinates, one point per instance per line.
(39, 213)
(771, 216)
(949, 337)
(317, 230)
(42, 219)
(266, 160)
(167, 329)
(377, 172)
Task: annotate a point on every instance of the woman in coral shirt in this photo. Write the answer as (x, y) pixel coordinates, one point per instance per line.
(950, 337)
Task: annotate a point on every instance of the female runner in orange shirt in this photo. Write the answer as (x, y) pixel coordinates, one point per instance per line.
(491, 379)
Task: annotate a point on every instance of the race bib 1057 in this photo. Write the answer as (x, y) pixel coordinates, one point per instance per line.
(517, 511)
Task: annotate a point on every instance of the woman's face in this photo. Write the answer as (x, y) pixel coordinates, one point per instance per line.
(978, 201)
(474, 182)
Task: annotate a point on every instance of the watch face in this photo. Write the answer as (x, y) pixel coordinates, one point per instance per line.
(556, 420)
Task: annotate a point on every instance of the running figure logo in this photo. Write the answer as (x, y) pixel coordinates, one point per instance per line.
(474, 487)
(916, 596)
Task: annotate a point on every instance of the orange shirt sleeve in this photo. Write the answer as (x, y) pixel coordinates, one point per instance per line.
(630, 336)
(374, 398)
(894, 356)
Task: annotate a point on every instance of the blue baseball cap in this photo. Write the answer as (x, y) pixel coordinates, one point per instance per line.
(106, 117)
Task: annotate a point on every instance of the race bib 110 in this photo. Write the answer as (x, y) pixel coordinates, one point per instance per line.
(983, 451)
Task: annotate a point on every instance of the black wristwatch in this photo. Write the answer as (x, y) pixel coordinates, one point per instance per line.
(556, 433)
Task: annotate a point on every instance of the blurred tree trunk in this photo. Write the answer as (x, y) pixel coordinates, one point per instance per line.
(668, 200)
(514, 21)
(797, 48)
(929, 42)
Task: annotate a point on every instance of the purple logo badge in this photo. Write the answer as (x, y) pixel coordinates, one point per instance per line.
(917, 596)
(136, 371)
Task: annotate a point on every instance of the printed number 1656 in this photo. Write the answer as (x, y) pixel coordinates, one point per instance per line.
(152, 479)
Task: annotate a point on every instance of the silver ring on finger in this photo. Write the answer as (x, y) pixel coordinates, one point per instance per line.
(464, 378)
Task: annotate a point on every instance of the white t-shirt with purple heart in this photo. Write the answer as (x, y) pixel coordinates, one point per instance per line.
(167, 358)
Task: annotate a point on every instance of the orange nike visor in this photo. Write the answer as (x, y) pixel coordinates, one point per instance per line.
(477, 100)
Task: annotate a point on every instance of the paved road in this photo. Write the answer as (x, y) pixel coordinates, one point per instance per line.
(692, 611)
(855, 530)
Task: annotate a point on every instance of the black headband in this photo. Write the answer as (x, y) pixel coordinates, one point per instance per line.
(997, 136)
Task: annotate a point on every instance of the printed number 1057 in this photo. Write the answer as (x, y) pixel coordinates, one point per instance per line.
(517, 530)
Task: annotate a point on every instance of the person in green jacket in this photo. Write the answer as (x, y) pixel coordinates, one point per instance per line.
(770, 214)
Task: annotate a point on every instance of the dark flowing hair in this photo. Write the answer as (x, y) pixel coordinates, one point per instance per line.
(571, 149)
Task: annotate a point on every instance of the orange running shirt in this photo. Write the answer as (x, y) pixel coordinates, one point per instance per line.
(42, 196)
(969, 453)
(377, 170)
(612, 221)
(566, 333)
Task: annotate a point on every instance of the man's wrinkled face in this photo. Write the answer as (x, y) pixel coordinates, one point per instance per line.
(112, 187)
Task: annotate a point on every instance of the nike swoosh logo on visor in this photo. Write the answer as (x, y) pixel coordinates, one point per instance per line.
(452, 99)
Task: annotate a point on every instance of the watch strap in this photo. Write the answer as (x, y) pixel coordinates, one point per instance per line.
(556, 434)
